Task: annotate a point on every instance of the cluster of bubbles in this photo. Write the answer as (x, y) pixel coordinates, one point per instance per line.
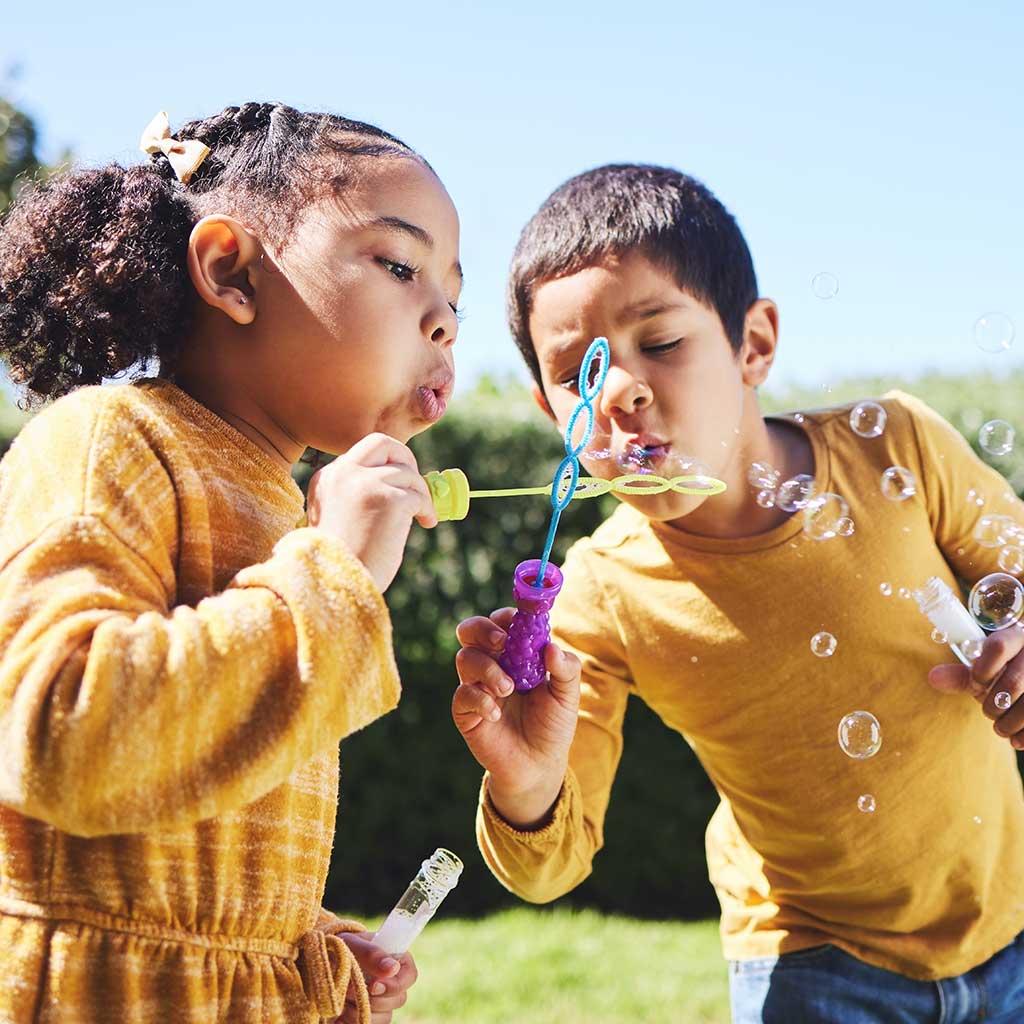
(1006, 534)
(860, 737)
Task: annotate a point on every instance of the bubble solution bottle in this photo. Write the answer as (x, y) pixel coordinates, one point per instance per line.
(436, 878)
(530, 629)
(947, 614)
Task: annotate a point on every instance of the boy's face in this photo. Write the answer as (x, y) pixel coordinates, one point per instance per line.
(674, 400)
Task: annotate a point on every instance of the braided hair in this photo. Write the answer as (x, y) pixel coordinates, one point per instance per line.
(93, 275)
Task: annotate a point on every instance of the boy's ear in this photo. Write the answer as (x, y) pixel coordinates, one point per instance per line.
(542, 402)
(223, 262)
(760, 342)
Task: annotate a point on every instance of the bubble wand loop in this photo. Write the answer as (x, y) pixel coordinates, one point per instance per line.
(537, 582)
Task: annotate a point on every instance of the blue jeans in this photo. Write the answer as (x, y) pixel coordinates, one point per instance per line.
(824, 985)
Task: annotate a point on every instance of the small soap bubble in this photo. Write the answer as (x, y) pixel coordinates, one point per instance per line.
(996, 437)
(975, 497)
(867, 419)
(866, 803)
(1011, 560)
(825, 285)
(795, 493)
(762, 476)
(798, 417)
(860, 735)
(996, 601)
(885, 589)
(823, 645)
(905, 593)
(766, 499)
(822, 516)
(898, 483)
(976, 820)
(1002, 700)
(845, 527)
(635, 458)
(939, 635)
(972, 649)
(993, 332)
(993, 531)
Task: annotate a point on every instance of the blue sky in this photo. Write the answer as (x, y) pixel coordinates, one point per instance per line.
(879, 143)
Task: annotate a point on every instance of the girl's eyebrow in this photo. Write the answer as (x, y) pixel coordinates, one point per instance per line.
(397, 224)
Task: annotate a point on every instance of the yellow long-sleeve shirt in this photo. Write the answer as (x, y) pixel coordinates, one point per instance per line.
(177, 665)
(714, 635)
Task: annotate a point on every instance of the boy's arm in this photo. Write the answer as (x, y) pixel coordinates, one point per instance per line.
(542, 862)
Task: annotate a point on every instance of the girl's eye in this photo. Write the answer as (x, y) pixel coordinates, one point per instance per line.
(400, 270)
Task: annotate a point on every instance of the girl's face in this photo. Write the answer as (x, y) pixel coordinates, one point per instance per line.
(357, 314)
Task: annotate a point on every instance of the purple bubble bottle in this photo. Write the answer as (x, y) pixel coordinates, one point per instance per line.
(530, 630)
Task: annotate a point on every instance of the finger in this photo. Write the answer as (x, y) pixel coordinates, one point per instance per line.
(1005, 689)
(427, 514)
(390, 1002)
(474, 667)
(482, 632)
(502, 617)
(381, 450)
(998, 650)
(563, 671)
(472, 705)
(953, 679)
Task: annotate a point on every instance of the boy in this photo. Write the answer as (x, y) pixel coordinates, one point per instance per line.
(884, 889)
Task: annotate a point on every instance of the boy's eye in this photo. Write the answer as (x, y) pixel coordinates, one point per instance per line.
(397, 269)
(668, 346)
(460, 313)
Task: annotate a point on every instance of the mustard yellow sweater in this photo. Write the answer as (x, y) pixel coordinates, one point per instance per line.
(177, 665)
(714, 635)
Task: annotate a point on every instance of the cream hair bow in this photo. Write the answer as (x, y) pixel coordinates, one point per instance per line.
(185, 157)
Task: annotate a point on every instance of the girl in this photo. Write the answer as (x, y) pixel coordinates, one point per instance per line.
(178, 658)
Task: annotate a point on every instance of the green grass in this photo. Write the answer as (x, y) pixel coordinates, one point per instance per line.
(566, 967)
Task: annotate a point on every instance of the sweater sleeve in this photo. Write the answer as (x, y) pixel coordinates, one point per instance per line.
(123, 712)
(544, 864)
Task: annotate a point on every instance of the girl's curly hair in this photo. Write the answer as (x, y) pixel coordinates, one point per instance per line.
(93, 277)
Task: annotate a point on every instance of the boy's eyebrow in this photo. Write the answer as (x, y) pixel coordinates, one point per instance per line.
(645, 309)
(421, 235)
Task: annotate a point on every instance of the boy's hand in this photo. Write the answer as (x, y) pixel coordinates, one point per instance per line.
(388, 979)
(522, 739)
(368, 498)
(998, 669)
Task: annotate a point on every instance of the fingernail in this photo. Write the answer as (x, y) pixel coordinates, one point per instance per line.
(378, 988)
(494, 714)
(388, 964)
(497, 637)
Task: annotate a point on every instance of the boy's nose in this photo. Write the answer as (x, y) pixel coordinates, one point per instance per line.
(441, 325)
(624, 393)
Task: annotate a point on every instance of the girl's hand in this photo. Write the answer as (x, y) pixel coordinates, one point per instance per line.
(388, 979)
(368, 498)
(998, 669)
(522, 739)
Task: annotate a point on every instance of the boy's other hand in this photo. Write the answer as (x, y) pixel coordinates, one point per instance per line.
(997, 670)
(522, 739)
(388, 979)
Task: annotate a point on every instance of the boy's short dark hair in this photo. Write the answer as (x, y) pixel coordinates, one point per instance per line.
(669, 216)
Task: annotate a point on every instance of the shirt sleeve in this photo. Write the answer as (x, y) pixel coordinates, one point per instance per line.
(542, 865)
(969, 503)
(121, 712)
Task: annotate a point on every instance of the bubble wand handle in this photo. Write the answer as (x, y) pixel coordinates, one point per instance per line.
(536, 582)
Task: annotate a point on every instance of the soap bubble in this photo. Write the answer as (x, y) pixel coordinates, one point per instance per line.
(796, 493)
(845, 527)
(996, 437)
(762, 476)
(823, 645)
(885, 589)
(905, 593)
(860, 735)
(823, 514)
(993, 531)
(798, 417)
(825, 285)
(993, 332)
(867, 419)
(996, 601)
(866, 803)
(635, 458)
(972, 649)
(1011, 560)
(765, 499)
(939, 635)
(1002, 700)
(975, 497)
(898, 483)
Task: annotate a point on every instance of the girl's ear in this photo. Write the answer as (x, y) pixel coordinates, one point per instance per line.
(223, 262)
(760, 341)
